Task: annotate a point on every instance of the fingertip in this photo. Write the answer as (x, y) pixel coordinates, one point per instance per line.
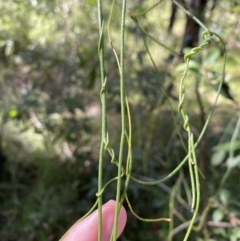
(122, 220)
(108, 218)
(86, 230)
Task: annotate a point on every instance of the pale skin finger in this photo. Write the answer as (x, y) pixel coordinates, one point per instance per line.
(86, 230)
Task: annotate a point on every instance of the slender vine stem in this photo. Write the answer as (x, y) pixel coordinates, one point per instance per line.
(129, 157)
(191, 155)
(104, 118)
(161, 98)
(206, 123)
(197, 182)
(122, 98)
(151, 37)
(189, 14)
(145, 219)
(187, 128)
(79, 220)
(144, 12)
(171, 205)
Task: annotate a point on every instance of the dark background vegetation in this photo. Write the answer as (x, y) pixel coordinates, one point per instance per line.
(50, 116)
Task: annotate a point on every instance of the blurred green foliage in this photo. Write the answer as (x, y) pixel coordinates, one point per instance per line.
(50, 119)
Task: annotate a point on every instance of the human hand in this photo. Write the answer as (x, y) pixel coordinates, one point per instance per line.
(86, 230)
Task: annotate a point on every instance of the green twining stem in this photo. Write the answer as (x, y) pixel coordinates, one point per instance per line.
(128, 135)
(194, 176)
(79, 220)
(98, 194)
(205, 33)
(144, 12)
(129, 157)
(195, 212)
(187, 128)
(203, 218)
(171, 205)
(122, 97)
(145, 219)
(189, 14)
(193, 181)
(161, 98)
(197, 49)
(151, 37)
(104, 118)
(128, 170)
(191, 155)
